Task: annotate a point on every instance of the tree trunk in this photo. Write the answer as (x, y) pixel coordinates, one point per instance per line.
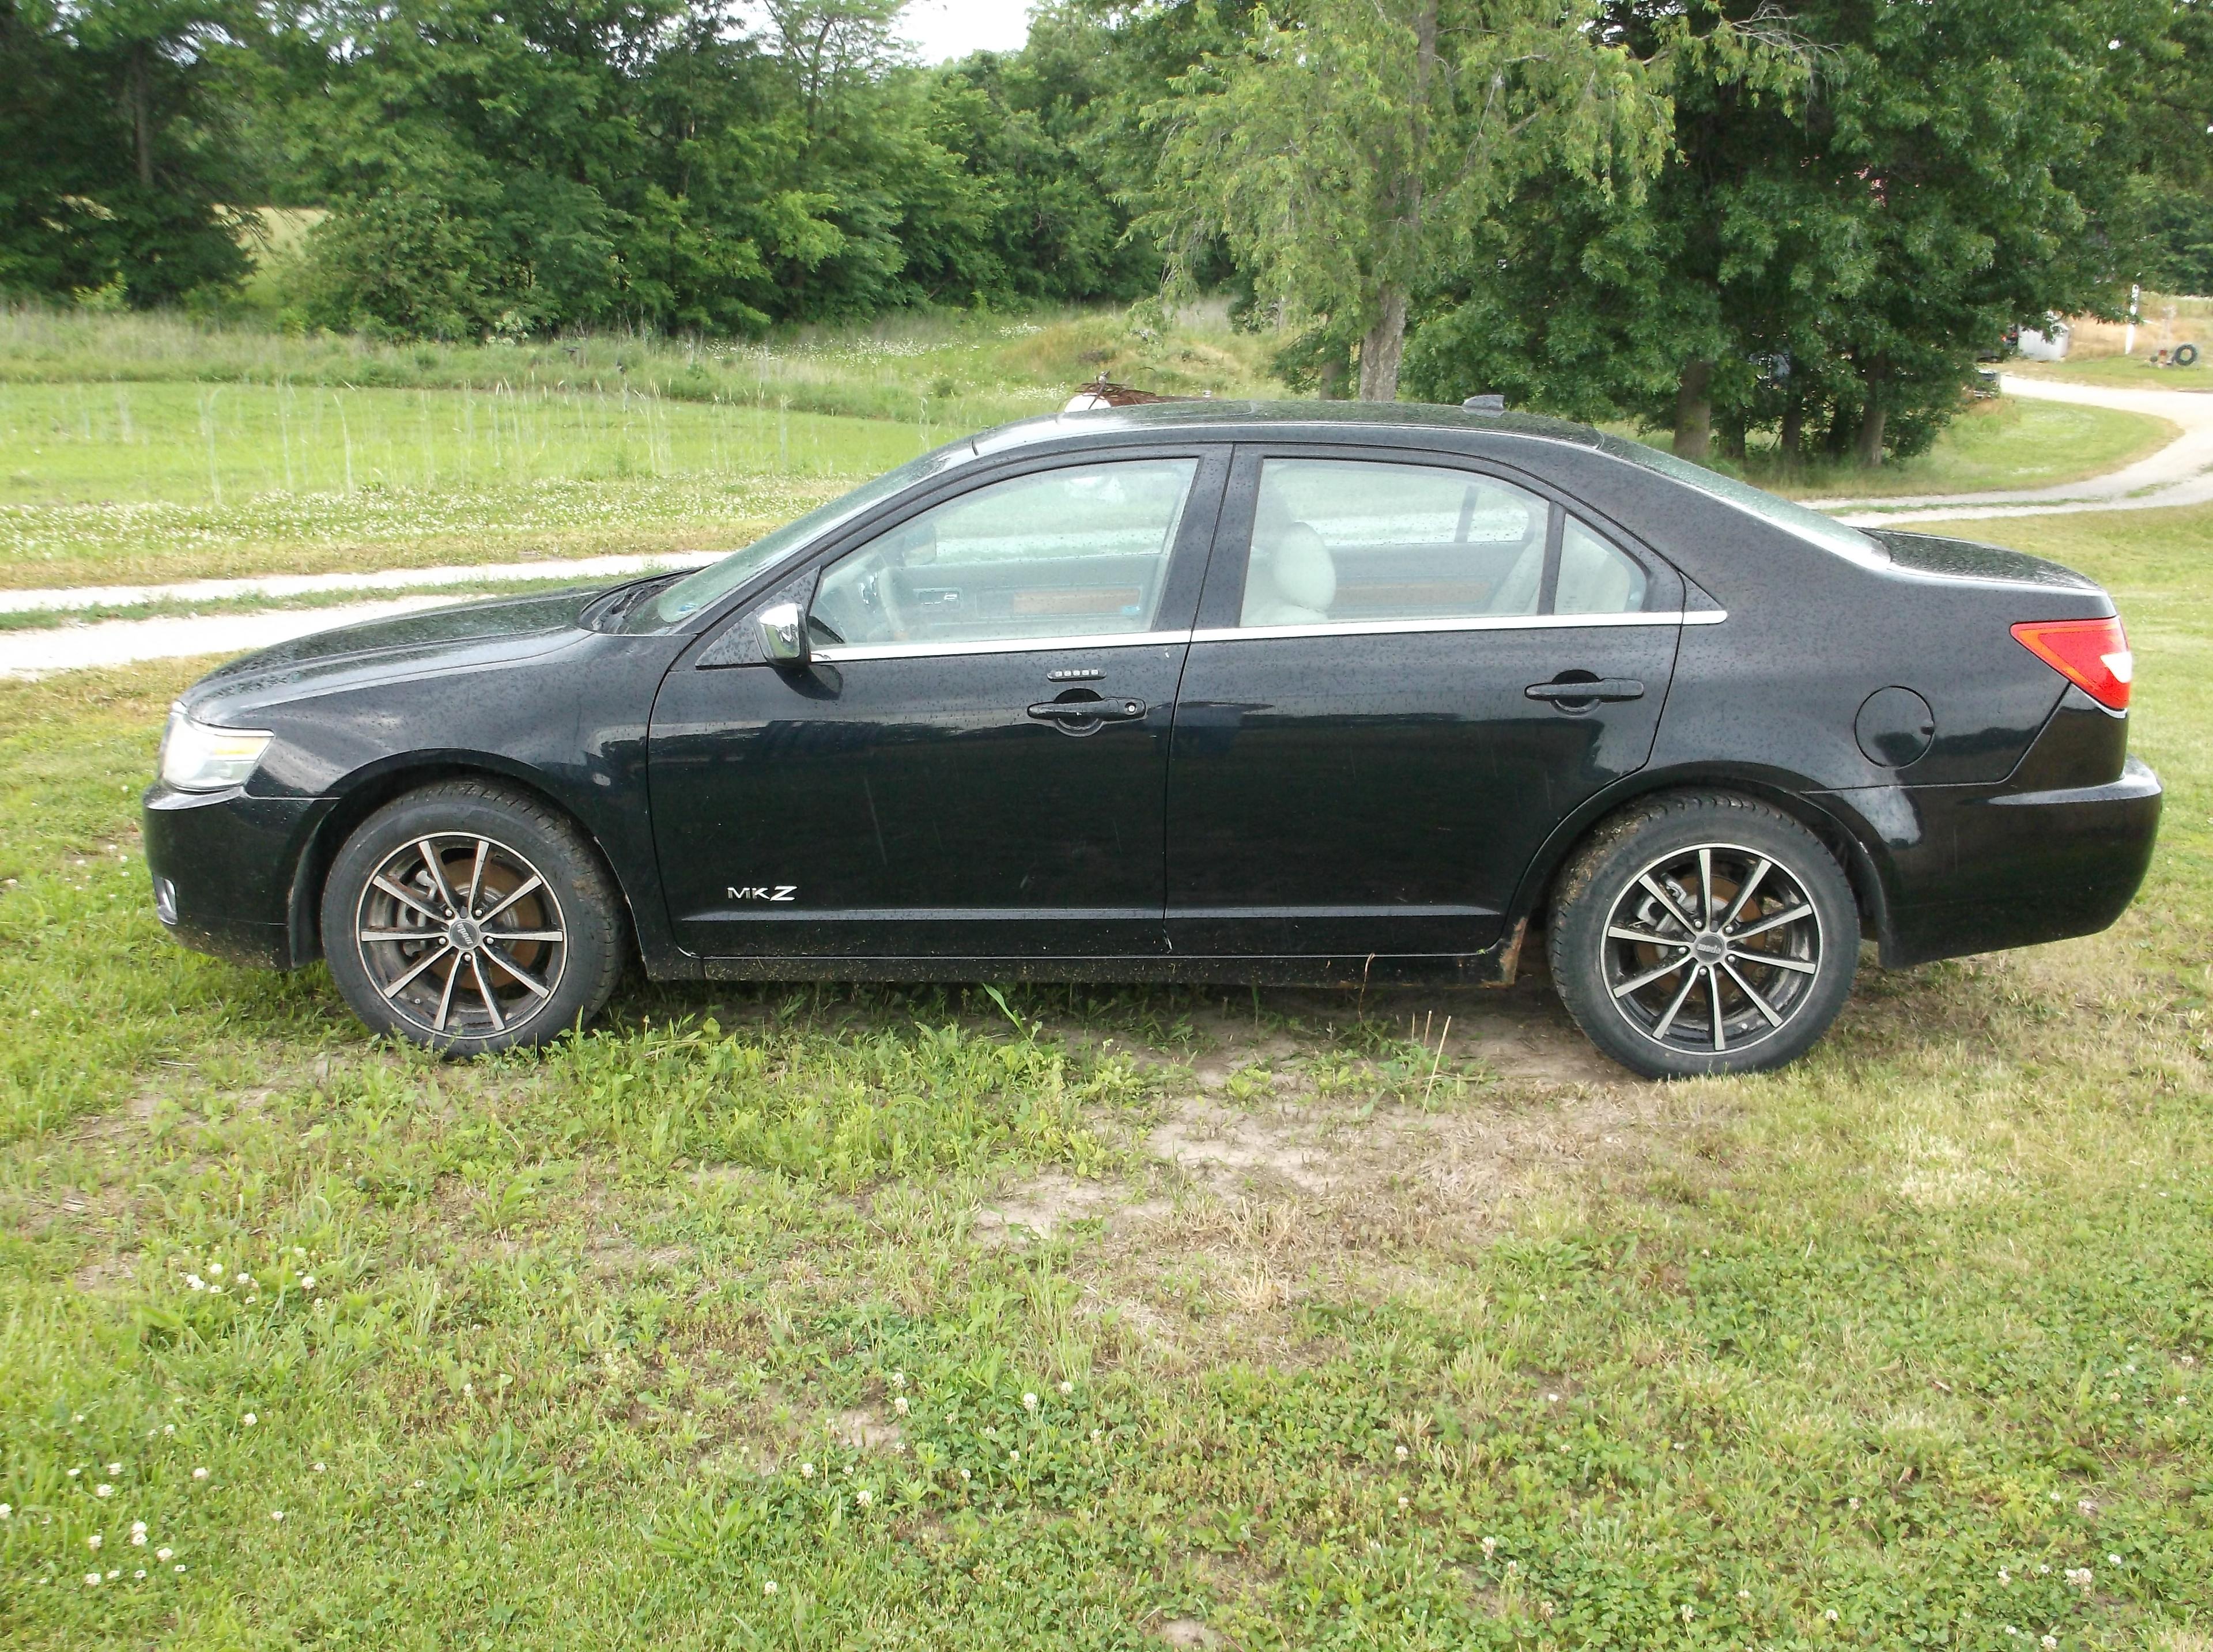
(138, 92)
(1694, 410)
(1381, 347)
(1867, 445)
(1332, 377)
(1794, 427)
(1732, 429)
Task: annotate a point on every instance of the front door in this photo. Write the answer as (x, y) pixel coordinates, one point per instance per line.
(975, 763)
(1406, 673)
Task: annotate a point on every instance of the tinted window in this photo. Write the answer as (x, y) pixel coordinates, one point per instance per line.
(1337, 539)
(1595, 577)
(1796, 519)
(1074, 552)
(1341, 541)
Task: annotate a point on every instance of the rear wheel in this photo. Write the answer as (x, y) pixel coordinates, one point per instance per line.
(470, 917)
(1704, 933)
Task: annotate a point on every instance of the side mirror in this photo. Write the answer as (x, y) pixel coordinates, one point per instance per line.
(783, 629)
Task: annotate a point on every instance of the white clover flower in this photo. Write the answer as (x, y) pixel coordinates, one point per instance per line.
(1851, 1502)
(141, 1572)
(7, 1511)
(115, 1468)
(1401, 1452)
(196, 1281)
(863, 1497)
(1744, 1594)
(319, 1468)
(245, 1282)
(163, 1554)
(2004, 1577)
(92, 1580)
(309, 1282)
(2112, 1560)
(1830, 1614)
(1490, 1547)
(215, 1290)
(93, 1541)
(1097, 1434)
(1405, 1502)
(1030, 1402)
(898, 1379)
(899, 1404)
(769, 1588)
(2051, 1644)
(468, 1388)
(178, 1568)
(249, 1420)
(215, 1267)
(74, 1473)
(1688, 1611)
(199, 1474)
(277, 1514)
(964, 1474)
(77, 1417)
(1066, 1386)
(138, 1538)
(114, 1573)
(807, 1470)
(2080, 1577)
(103, 1490)
(1013, 1456)
(168, 1428)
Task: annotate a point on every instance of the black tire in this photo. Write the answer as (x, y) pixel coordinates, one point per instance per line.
(470, 917)
(2185, 355)
(1672, 869)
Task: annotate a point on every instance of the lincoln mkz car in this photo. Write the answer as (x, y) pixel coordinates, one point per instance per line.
(1309, 694)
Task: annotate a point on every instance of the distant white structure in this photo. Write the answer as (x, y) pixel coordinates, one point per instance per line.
(2049, 345)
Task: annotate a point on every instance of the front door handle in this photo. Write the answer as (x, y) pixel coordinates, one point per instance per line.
(1085, 715)
(1603, 688)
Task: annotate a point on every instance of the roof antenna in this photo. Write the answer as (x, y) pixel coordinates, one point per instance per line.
(1490, 402)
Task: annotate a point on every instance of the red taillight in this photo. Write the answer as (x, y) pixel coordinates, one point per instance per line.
(2091, 653)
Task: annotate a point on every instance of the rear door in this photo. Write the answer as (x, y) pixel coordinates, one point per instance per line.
(975, 764)
(1407, 670)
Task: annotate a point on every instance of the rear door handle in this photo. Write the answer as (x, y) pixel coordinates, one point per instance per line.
(1082, 712)
(1606, 688)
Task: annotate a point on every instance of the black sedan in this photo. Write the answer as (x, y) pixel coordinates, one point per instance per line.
(1329, 694)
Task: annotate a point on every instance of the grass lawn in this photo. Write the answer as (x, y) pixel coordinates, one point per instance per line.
(806, 1317)
(2127, 371)
(2007, 442)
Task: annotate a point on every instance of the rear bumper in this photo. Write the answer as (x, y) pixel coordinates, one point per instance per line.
(1978, 868)
(222, 865)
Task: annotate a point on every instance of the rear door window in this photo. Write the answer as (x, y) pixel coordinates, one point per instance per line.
(1341, 541)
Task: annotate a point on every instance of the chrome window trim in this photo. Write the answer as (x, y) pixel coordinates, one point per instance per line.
(1421, 627)
(840, 653)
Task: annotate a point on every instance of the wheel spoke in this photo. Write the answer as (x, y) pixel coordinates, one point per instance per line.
(1660, 1030)
(1667, 901)
(483, 991)
(1651, 976)
(1743, 893)
(400, 938)
(1714, 986)
(1616, 932)
(407, 896)
(445, 997)
(1773, 921)
(392, 989)
(1777, 960)
(525, 934)
(533, 881)
(437, 871)
(1706, 883)
(1757, 1002)
(530, 981)
(476, 876)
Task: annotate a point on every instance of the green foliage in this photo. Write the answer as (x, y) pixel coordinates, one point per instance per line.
(115, 124)
(1827, 267)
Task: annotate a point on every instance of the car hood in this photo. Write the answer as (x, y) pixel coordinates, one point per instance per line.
(464, 637)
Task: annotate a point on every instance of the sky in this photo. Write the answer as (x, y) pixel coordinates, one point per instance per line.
(953, 28)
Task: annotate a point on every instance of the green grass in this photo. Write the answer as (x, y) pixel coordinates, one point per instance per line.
(2126, 372)
(1370, 1337)
(2007, 442)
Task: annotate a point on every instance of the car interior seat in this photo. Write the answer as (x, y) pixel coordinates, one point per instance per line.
(1294, 582)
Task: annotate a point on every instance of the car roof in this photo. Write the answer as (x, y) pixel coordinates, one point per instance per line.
(1262, 419)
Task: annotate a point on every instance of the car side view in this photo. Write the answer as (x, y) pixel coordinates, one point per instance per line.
(1322, 693)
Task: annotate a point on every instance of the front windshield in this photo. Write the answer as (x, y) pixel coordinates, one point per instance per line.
(1825, 531)
(718, 579)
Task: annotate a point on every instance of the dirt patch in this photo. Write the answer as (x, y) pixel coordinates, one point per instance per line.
(861, 1430)
(1230, 1150)
(105, 1274)
(1043, 1206)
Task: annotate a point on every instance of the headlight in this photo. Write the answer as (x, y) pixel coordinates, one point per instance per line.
(196, 758)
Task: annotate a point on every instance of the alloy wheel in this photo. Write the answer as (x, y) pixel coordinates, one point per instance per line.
(461, 935)
(1712, 948)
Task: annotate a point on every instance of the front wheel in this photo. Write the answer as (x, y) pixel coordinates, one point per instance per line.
(1704, 933)
(470, 917)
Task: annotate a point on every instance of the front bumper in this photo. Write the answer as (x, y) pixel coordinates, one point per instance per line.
(1978, 868)
(224, 865)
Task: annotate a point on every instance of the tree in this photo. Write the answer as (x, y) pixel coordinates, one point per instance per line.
(115, 124)
(1348, 159)
(1827, 265)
